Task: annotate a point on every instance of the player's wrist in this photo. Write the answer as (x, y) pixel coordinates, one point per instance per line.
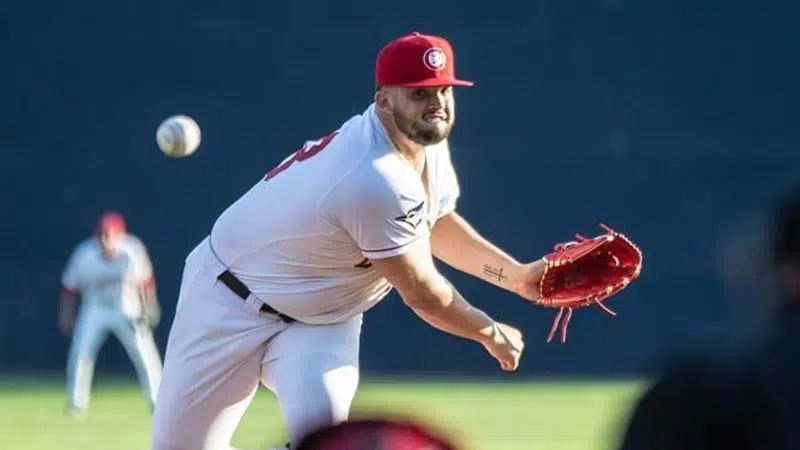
(488, 335)
(526, 283)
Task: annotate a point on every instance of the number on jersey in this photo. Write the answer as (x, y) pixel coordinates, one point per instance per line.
(304, 153)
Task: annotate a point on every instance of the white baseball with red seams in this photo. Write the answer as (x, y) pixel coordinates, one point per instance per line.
(178, 136)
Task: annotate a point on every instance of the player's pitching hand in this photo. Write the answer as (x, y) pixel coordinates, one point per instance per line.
(505, 345)
(528, 284)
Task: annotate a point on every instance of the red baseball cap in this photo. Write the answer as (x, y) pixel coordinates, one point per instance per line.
(417, 60)
(111, 222)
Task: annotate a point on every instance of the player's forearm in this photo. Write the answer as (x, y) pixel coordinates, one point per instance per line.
(66, 304)
(456, 316)
(149, 296)
(455, 242)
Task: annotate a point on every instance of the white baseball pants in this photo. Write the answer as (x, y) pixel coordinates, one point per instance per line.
(93, 324)
(219, 349)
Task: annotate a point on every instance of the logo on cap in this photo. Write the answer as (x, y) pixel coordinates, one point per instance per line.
(434, 58)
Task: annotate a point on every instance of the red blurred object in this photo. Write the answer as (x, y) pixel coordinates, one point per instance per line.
(376, 434)
(111, 222)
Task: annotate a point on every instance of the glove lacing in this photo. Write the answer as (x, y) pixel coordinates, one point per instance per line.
(557, 322)
(563, 325)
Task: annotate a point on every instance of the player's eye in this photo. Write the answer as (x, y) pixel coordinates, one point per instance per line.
(419, 94)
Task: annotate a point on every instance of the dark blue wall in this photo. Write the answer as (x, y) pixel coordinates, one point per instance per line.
(665, 119)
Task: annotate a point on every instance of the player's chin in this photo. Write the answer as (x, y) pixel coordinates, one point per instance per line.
(432, 134)
(438, 125)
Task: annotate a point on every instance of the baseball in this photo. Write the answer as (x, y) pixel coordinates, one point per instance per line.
(178, 136)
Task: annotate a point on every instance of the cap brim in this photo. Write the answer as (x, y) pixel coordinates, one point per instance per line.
(435, 82)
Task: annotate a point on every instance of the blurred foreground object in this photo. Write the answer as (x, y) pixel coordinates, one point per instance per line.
(375, 434)
(744, 393)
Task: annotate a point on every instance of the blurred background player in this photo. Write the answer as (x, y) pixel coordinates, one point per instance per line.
(111, 273)
(744, 392)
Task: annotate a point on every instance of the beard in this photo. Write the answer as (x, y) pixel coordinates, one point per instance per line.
(421, 131)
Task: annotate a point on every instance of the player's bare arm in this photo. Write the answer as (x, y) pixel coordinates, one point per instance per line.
(455, 242)
(435, 300)
(147, 292)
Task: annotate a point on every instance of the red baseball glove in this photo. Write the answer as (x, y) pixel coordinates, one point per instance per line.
(585, 273)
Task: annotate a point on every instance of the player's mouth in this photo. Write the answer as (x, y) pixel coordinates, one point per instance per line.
(435, 117)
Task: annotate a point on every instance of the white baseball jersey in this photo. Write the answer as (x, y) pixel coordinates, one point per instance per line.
(109, 283)
(302, 237)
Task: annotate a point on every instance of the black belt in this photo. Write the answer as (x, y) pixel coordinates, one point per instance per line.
(238, 288)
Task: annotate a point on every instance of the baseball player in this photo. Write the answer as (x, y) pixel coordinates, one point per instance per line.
(112, 275)
(275, 294)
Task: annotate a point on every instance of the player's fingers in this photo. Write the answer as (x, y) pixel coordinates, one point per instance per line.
(513, 361)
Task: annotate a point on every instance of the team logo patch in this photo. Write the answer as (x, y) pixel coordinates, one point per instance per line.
(434, 58)
(413, 217)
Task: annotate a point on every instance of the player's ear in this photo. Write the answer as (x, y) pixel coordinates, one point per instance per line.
(383, 100)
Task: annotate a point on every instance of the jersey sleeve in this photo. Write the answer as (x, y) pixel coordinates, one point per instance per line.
(451, 191)
(70, 274)
(382, 220)
(143, 267)
(386, 227)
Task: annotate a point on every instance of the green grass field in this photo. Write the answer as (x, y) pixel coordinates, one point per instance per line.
(493, 416)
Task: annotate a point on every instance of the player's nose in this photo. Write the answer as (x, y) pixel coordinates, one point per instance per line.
(436, 100)
(439, 100)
